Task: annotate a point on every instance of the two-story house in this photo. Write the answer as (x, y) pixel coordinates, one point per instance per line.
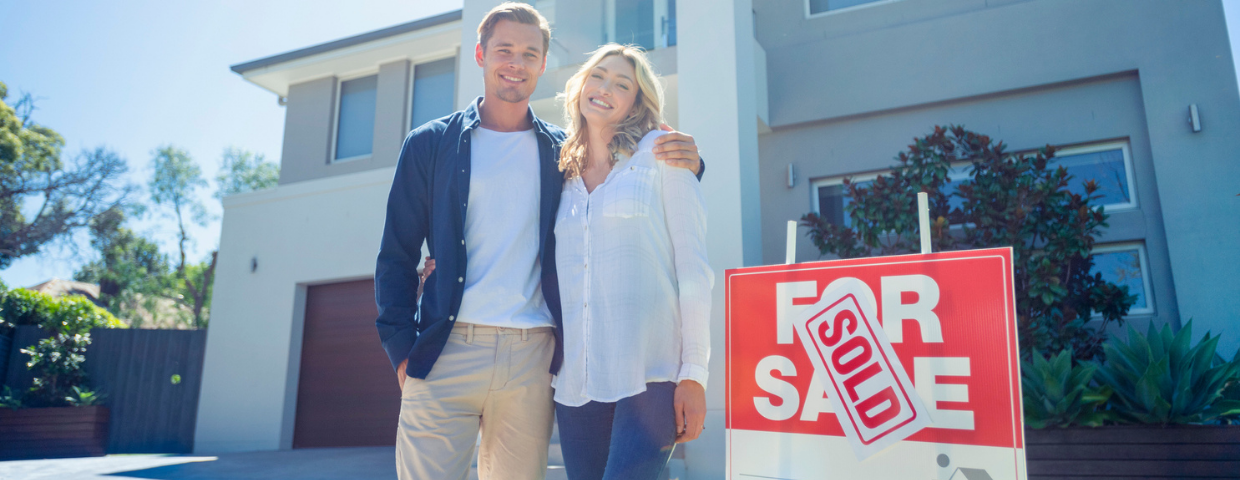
(824, 89)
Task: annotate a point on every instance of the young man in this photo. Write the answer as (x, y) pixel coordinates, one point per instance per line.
(481, 187)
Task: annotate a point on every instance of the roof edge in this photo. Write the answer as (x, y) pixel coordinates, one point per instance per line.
(242, 68)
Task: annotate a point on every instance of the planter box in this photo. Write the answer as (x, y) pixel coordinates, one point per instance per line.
(1182, 451)
(53, 432)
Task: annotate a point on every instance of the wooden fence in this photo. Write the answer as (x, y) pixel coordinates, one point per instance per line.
(135, 369)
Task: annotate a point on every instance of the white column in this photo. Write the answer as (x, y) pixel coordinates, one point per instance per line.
(718, 106)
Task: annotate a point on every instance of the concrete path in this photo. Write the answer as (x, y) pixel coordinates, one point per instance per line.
(308, 464)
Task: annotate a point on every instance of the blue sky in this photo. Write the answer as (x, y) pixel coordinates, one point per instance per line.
(136, 75)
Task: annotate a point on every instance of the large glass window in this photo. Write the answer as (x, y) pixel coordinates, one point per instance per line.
(355, 123)
(821, 6)
(1108, 163)
(650, 24)
(434, 86)
(1125, 264)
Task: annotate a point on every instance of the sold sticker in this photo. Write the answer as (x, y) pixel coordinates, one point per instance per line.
(847, 346)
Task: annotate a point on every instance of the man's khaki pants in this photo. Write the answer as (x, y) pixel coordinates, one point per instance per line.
(488, 377)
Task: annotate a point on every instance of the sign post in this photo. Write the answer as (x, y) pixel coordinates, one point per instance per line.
(900, 367)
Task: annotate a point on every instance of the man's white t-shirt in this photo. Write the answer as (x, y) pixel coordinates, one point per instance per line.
(503, 286)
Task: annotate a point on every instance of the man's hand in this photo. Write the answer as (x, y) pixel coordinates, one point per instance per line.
(677, 150)
(427, 268)
(690, 405)
(400, 373)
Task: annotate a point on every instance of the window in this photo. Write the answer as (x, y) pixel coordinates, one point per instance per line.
(355, 121)
(434, 88)
(650, 24)
(1126, 264)
(1109, 164)
(815, 7)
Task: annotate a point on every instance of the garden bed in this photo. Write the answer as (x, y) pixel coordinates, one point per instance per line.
(1180, 451)
(53, 432)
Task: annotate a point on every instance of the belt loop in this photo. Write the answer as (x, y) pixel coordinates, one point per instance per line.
(469, 335)
(525, 334)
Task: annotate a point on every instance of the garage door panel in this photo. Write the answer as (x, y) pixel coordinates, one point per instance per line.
(347, 393)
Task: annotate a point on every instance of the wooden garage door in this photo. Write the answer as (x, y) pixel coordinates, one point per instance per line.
(348, 394)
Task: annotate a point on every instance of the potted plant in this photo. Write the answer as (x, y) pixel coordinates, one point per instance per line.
(58, 416)
(1166, 407)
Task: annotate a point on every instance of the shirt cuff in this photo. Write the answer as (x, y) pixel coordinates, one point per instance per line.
(696, 373)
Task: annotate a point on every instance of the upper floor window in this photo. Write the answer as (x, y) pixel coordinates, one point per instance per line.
(355, 118)
(434, 88)
(815, 7)
(650, 24)
(1126, 264)
(1108, 164)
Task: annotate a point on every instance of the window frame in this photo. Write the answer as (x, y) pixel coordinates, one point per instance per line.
(960, 167)
(1130, 175)
(1139, 246)
(335, 138)
(810, 15)
(661, 29)
(413, 70)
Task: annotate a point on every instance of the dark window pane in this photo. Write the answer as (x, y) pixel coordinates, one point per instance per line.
(832, 199)
(819, 6)
(1123, 267)
(1106, 167)
(356, 126)
(434, 85)
(635, 23)
(671, 23)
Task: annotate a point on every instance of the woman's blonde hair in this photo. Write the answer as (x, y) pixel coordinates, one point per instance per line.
(645, 115)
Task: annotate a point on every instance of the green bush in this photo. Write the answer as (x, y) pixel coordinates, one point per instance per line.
(1158, 378)
(1008, 200)
(1057, 392)
(55, 362)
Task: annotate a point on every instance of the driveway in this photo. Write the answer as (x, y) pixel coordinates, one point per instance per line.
(309, 464)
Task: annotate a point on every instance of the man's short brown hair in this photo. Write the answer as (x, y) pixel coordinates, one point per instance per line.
(516, 12)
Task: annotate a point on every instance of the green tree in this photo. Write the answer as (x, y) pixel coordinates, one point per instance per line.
(173, 185)
(35, 180)
(1008, 200)
(244, 171)
(131, 272)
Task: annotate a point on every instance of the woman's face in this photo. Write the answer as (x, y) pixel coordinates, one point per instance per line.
(609, 92)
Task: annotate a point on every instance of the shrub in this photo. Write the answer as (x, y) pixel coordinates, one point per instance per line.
(56, 362)
(1057, 392)
(1009, 200)
(1158, 378)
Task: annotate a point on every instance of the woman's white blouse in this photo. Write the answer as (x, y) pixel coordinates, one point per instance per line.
(635, 285)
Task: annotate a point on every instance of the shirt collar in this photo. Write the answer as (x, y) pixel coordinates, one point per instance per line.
(473, 117)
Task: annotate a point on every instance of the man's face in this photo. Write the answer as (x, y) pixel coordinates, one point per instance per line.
(512, 60)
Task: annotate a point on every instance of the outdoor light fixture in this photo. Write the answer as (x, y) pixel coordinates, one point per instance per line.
(792, 176)
(1194, 118)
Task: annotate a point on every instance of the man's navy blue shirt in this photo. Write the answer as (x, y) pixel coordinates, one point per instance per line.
(428, 201)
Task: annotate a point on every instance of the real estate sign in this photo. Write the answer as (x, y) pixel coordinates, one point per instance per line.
(900, 367)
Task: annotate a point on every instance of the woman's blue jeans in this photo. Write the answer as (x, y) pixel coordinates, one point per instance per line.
(631, 439)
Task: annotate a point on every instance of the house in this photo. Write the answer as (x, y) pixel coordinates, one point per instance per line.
(826, 89)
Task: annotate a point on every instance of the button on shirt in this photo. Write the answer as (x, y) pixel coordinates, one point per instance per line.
(634, 280)
(502, 284)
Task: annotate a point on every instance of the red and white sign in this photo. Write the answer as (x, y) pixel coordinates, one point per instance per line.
(892, 367)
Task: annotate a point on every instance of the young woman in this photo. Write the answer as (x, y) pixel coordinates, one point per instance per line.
(634, 280)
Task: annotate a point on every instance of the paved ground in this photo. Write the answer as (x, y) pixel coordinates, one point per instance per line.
(308, 464)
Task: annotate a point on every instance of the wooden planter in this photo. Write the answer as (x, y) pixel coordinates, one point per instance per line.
(1182, 451)
(53, 432)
